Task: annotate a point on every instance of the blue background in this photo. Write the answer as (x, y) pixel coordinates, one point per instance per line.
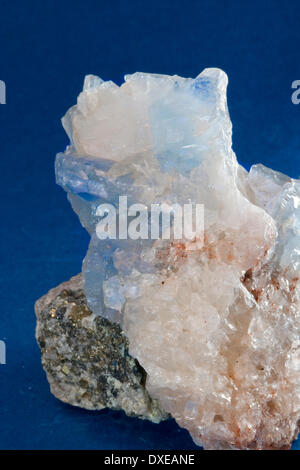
(46, 48)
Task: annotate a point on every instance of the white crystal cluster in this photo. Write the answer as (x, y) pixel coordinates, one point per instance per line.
(216, 326)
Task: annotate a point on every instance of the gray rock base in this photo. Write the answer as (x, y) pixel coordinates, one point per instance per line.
(86, 357)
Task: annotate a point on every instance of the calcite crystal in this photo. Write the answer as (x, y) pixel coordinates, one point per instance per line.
(215, 324)
(86, 357)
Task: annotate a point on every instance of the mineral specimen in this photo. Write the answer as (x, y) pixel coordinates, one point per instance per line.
(86, 356)
(215, 320)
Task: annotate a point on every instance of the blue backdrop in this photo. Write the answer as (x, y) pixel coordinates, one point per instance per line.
(46, 49)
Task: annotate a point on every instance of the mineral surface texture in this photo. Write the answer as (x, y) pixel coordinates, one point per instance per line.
(213, 320)
(86, 356)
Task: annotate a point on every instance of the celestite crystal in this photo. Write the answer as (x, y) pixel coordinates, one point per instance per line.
(216, 325)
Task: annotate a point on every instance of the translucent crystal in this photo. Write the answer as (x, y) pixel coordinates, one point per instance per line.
(216, 327)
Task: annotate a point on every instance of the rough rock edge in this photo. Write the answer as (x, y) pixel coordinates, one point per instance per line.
(86, 357)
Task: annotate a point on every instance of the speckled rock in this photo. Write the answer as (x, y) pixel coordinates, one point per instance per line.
(86, 357)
